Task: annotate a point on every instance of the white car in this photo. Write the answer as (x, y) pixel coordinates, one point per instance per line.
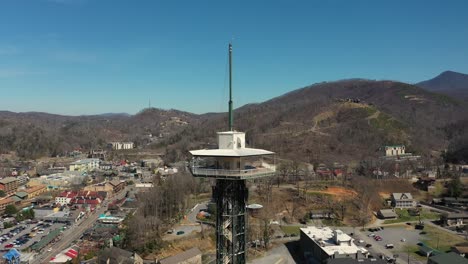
(49, 250)
(403, 240)
(361, 241)
(371, 235)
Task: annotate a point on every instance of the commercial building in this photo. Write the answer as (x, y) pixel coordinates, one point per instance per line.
(403, 200)
(319, 244)
(65, 197)
(59, 180)
(453, 219)
(110, 187)
(4, 202)
(35, 190)
(9, 185)
(85, 165)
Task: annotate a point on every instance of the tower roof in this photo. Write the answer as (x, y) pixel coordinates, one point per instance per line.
(241, 152)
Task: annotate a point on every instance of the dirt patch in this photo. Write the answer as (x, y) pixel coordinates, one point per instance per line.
(339, 193)
(384, 195)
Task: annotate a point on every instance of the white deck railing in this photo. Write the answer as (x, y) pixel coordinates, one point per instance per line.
(196, 170)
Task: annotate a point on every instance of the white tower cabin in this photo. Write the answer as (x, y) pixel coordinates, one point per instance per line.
(232, 160)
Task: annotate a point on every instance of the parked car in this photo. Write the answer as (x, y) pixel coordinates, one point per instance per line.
(368, 245)
(389, 246)
(180, 232)
(371, 235)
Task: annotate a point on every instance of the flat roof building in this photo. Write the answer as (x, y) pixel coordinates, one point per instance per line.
(324, 243)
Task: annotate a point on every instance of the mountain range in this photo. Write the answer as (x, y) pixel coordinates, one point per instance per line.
(451, 83)
(342, 121)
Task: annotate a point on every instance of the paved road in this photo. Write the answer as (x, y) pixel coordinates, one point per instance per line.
(74, 233)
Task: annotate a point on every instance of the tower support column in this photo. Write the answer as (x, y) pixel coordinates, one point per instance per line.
(231, 197)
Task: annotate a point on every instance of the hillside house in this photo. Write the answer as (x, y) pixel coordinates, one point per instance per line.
(402, 200)
(121, 145)
(396, 150)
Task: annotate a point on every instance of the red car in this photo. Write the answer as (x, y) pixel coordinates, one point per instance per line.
(378, 238)
(9, 246)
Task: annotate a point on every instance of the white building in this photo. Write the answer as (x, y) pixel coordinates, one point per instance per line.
(85, 165)
(397, 150)
(122, 145)
(403, 200)
(323, 243)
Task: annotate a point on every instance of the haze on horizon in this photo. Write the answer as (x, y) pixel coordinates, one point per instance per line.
(88, 57)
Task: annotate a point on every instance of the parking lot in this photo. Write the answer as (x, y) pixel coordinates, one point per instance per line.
(25, 234)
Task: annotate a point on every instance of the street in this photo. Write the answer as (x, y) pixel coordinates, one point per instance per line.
(74, 232)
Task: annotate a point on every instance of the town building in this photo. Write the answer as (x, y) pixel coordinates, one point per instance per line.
(110, 187)
(446, 258)
(402, 200)
(191, 256)
(319, 244)
(4, 202)
(121, 145)
(387, 214)
(59, 180)
(35, 190)
(9, 185)
(85, 165)
(453, 219)
(65, 197)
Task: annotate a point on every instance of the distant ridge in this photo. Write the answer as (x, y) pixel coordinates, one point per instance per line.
(451, 83)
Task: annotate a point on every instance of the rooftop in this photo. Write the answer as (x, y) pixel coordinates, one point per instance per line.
(451, 257)
(84, 161)
(332, 241)
(402, 196)
(7, 180)
(241, 152)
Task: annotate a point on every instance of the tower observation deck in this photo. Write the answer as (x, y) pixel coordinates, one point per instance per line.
(231, 164)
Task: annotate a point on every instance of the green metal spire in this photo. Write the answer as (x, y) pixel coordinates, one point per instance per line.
(231, 116)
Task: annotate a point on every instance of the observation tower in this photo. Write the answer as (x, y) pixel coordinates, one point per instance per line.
(231, 164)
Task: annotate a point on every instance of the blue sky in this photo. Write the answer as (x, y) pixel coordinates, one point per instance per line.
(98, 56)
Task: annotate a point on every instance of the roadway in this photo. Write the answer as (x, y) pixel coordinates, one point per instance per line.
(74, 232)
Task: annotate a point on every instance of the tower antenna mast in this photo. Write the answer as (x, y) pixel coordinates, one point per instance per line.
(231, 116)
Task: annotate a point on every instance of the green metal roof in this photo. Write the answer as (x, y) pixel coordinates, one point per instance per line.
(451, 257)
(43, 242)
(21, 194)
(16, 199)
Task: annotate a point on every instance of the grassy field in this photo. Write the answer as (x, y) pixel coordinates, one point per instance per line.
(403, 216)
(439, 239)
(291, 229)
(435, 238)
